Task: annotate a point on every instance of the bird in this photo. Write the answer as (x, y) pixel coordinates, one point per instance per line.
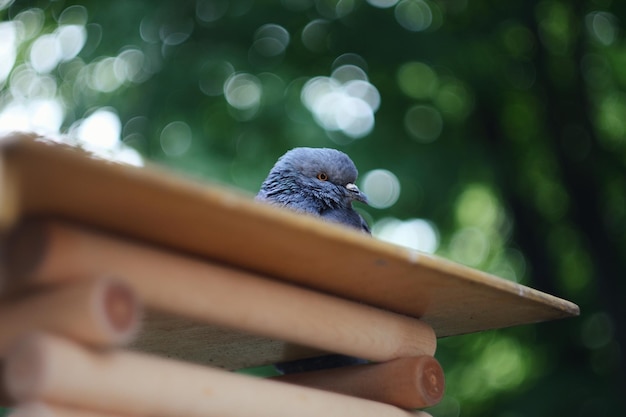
(316, 181)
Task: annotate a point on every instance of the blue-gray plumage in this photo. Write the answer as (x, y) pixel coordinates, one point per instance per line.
(317, 181)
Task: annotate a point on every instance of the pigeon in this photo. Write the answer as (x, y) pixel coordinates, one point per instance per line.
(316, 181)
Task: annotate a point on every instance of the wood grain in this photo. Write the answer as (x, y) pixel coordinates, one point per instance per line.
(142, 385)
(227, 226)
(180, 338)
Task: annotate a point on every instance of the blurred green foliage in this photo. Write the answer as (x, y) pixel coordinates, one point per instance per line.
(502, 125)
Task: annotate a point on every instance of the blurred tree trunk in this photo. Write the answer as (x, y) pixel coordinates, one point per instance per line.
(583, 179)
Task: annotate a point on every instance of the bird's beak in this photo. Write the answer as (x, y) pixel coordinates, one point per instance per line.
(355, 193)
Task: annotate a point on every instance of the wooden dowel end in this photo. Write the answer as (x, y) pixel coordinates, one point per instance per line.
(432, 381)
(415, 382)
(99, 312)
(120, 310)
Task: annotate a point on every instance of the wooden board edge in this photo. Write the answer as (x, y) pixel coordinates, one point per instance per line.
(567, 308)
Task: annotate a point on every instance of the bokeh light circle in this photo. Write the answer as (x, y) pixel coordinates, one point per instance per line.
(100, 130)
(417, 80)
(364, 91)
(176, 138)
(271, 39)
(31, 22)
(243, 91)
(211, 10)
(349, 72)
(315, 35)
(414, 15)
(381, 187)
(213, 76)
(417, 234)
(470, 246)
(74, 15)
(424, 123)
(383, 4)
(45, 53)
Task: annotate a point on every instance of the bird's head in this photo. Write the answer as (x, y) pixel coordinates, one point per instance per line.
(324, 174)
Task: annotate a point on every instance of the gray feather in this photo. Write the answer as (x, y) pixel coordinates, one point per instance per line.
(294, 182)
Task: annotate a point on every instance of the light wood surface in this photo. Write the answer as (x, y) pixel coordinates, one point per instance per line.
(180, 338)
(38, 409)
(39, 178)
(209, 292)
(142, 385)
(99, 312)
(415, 382)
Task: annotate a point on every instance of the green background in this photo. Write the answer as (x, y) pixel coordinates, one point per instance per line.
(504, 124)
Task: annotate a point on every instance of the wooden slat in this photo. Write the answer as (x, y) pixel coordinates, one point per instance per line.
(228, 226)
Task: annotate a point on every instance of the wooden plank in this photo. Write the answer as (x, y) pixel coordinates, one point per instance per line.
(228, 226)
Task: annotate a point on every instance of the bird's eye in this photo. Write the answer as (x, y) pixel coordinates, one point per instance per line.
(322, 176)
